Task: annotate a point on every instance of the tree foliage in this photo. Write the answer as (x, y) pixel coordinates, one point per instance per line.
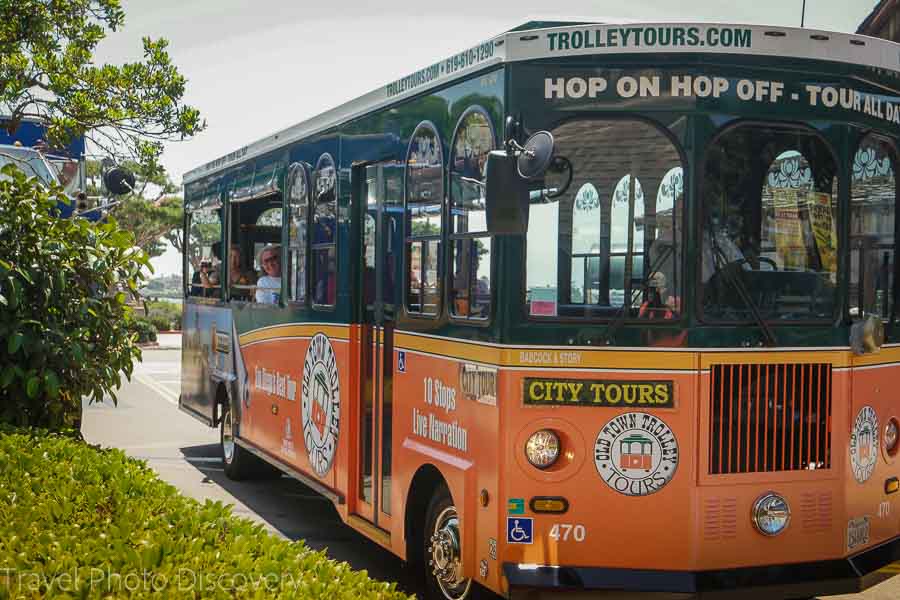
(46, 72)
(64, 321)
(153, 213)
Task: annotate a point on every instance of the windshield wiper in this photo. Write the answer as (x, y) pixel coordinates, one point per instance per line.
(724, 266)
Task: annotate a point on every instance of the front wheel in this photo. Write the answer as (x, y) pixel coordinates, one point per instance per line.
(442, 550)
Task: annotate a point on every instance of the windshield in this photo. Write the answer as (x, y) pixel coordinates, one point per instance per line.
(769, 240)
(29, 161)
(69, 172)
(609, 246)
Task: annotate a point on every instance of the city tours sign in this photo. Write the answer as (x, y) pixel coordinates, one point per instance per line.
(599, 392)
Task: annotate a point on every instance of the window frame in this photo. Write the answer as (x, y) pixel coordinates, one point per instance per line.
(410, 239)
(452, 236)
(842, 275)
(314, 176)
(861, 135)
(306, 169)
(216, 206)
(687, 173)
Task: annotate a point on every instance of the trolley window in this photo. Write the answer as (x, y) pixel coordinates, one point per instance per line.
(873, 197)
(470, 288)
(324, 233)
(298, 192)
(769, 241)
(203, 252)
(424, 222)
(618, 226)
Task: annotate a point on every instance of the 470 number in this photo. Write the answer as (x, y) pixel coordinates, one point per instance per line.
(566, 531)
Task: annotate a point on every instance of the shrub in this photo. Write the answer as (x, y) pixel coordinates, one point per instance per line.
(165, 315)
(64, 337)
(83, 522)
(146, 331)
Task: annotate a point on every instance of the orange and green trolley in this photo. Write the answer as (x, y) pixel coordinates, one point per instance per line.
(582, 308)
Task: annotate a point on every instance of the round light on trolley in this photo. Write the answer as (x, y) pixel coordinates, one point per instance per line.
(542, 448)
(891, 436)
(771, 514)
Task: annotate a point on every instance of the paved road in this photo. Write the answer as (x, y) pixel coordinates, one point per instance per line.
(148, 425)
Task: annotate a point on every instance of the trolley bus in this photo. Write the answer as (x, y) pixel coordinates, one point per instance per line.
(586, 306)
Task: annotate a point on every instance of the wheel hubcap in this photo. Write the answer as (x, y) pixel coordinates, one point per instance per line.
(444, 552)
(227, 438)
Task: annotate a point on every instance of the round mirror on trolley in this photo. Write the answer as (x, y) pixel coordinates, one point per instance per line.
(119, 181)
(536, 155)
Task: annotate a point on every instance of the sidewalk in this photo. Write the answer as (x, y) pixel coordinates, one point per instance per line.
(168, 341)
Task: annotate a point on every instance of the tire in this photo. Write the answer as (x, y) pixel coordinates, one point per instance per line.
(441, 549)
(240, 464)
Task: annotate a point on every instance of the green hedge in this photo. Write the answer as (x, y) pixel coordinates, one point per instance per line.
(145, 330)
(77, 521)
(163, 314)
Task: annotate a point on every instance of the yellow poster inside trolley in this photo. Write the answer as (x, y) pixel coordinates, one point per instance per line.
(820, 212)
(599, 392)
(789, 230)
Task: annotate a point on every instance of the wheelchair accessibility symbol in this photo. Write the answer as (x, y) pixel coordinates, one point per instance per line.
(519, 530)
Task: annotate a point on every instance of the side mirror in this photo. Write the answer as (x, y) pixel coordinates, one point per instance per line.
(506, 195)
(119, 181)
(535, 156)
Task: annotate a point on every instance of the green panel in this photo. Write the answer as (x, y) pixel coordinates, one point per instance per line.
(730, 90)
(239, 190)
(267, 179)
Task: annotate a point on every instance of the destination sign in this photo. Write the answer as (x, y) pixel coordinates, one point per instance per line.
(599, 392)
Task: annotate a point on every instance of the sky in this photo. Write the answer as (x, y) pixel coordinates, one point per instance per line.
(256, 67)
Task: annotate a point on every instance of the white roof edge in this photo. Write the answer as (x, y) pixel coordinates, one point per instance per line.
(509, 47)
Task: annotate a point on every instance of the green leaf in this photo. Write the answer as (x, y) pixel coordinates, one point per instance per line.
(15, 295)
(51, 383)
(7, 375)
(32, 386)
(14, 343)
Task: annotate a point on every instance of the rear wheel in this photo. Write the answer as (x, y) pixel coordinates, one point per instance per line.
(239, 463)
(442, 550)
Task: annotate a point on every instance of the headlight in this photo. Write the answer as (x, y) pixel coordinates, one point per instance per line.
(771, 514)
(542, 448)
(891, 434)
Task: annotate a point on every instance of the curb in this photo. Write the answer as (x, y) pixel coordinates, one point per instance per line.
(157, 346)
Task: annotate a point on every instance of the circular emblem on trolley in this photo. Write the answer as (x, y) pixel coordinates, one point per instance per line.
(864, 444)
(320, 409)
(636, 454)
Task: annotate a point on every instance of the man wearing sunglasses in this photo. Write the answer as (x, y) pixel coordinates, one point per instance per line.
(268, 287)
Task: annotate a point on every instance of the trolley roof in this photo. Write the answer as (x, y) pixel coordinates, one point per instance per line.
(544, 39)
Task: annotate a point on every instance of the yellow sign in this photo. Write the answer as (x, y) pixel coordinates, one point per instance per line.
(788, 230)
(820, 217)
(581, 392)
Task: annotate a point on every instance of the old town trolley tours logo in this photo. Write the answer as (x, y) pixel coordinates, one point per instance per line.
(320, 409)
(864, 444)
(636, 454)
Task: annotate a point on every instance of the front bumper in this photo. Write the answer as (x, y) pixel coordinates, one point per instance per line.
(845, 576)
